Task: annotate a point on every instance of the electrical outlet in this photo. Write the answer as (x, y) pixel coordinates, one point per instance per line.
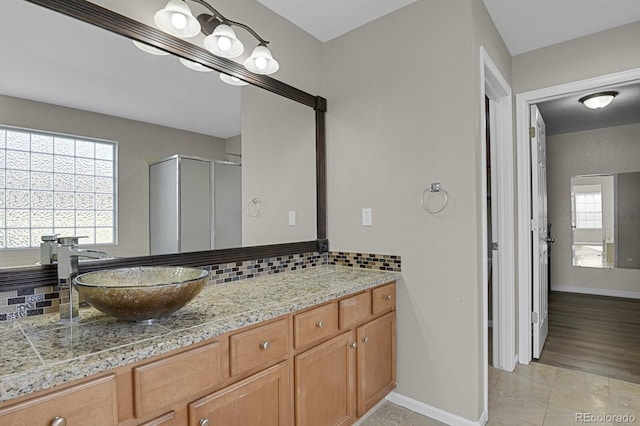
(292, 218)
(366, 217)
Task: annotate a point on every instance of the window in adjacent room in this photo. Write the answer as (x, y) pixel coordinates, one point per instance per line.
(588, 210)
(55, 184)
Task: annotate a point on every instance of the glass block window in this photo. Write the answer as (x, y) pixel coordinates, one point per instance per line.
(589, 210)
(55, 184)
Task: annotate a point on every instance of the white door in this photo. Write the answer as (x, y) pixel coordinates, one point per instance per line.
(539, 317)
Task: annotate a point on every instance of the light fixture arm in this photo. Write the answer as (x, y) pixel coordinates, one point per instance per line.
(229, 22)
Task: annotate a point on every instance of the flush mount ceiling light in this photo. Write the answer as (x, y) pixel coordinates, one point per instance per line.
(220, 38)
(598, 100)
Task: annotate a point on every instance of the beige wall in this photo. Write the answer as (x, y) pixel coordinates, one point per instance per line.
(233, 145)
(609, 150)
(404, 112)
(591, 56)
(138, 144)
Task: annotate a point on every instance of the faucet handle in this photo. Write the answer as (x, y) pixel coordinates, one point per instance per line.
(70, 241)
(49, 238)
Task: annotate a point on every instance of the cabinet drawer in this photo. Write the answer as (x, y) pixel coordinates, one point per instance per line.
(314, 325)
(161, 383)
(93, 402)
(259, 346)
(354, 309)
(384, 298)
(168, 419)
(259, 400)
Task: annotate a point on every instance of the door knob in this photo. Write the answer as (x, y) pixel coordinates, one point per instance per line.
(551, 240)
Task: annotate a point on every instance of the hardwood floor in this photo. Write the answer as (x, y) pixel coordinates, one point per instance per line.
(594, 334)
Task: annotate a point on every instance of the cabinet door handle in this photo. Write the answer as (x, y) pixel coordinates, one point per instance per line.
(320, 324)
(388, 297)
(365, 340)
(204, 422)
(59, 421)
(353, 345)
(265, 345)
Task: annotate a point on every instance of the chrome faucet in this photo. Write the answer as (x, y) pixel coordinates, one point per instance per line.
(49, 249)
(67, 258)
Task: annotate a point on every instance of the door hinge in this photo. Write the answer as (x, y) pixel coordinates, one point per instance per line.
(534, 225)
(494, 246)
(532, 132)
(534, 317)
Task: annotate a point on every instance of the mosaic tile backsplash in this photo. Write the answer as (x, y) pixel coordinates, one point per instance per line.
(43, 300)
(366, 260)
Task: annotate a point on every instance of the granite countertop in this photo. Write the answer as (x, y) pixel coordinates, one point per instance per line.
(39, 352)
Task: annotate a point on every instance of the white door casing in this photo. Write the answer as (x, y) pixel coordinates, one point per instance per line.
(539, 316)
(496, 88)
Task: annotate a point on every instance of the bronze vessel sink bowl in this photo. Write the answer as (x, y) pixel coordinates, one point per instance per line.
(141, 293)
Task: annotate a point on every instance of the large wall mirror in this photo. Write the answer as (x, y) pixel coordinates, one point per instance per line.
(605, 220)
(80, 80)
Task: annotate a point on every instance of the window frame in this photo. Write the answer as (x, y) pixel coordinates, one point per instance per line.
(54, 134)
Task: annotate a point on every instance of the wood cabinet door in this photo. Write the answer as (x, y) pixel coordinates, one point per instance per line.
(376, 361)
(89, 403)
(259, 400)
(325, 383)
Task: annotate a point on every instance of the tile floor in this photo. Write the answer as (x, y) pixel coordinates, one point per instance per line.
(538, 394)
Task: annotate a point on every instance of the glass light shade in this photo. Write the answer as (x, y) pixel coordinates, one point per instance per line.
(149, 49)
(176, 19)
(598, 100)
(234, 81)
(261, 61)
(194, 65)
(223, 42)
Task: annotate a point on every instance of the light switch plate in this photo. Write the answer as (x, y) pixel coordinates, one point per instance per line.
(292, 218)
(367, 219)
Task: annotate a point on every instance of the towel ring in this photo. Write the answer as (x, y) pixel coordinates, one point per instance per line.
(434, 188)
(254, 207)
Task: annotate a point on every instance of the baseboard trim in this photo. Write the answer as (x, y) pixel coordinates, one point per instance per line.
(597, 291)
(433, 412)
(369, 413)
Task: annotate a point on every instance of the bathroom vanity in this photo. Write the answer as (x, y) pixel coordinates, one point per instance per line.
(314, 346)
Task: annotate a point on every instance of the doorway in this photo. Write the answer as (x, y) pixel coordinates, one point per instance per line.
(497, 121)
(527, 284)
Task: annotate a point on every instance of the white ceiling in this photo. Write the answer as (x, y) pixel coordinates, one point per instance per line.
(524, 25)
(47, 69)
(568, 115)
(529, 25)
(328, 19)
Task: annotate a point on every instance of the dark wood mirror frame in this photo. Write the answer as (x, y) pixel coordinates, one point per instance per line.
(36, 276)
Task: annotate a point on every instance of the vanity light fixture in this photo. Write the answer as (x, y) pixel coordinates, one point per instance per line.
(176, 19)
(194, 65)
(598, 100)
(234, 81)
(220, 38)
(149, 49)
